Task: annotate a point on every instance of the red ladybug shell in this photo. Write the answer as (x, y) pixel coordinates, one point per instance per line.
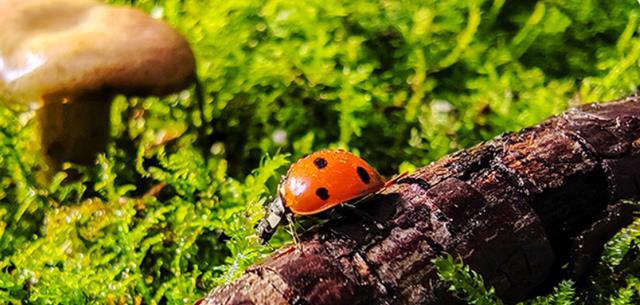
(325, 179)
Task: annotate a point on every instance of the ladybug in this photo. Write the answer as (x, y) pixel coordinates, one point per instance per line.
(316, 183)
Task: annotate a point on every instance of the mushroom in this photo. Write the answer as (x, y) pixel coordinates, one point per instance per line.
(69, 58)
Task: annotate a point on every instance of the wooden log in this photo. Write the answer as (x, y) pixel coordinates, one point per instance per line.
(516, 209)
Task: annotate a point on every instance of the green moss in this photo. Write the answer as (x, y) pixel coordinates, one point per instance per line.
(162, 217)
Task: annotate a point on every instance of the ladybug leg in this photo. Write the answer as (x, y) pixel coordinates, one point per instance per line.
(395, 179)
(272, 219)
(292, 231)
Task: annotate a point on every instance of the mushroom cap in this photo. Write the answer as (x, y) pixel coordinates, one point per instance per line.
(71, 47)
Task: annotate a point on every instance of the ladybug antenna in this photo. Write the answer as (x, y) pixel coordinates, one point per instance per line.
(273, 217)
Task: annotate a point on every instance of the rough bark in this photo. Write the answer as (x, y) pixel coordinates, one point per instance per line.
(516, 209)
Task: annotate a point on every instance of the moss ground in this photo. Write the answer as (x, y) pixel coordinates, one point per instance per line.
(162, 217)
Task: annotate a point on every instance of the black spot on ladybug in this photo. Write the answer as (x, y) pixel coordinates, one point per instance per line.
(320, 163)
(364, 176)
(322, 193)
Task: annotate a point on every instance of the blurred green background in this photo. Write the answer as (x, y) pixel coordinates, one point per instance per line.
(161, 218)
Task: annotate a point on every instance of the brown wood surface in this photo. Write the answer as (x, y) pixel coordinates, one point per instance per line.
(516, 209)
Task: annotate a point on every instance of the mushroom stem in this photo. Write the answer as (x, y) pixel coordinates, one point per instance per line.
(74, 129)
